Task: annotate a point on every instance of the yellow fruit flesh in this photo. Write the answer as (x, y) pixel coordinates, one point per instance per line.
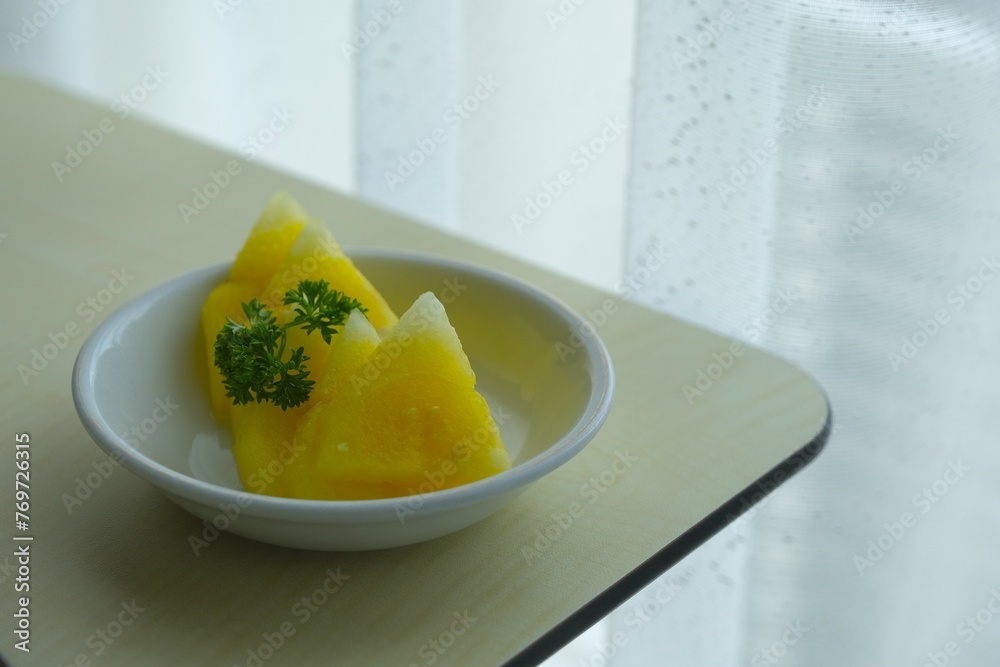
(385, 416)
(409, 415)
(316, 255)
(270, 239)
(350, 348)
(264, 445)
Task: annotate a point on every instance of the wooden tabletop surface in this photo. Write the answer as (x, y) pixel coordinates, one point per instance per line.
(113, 577)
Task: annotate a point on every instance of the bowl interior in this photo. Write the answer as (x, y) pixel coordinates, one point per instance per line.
(535, 370)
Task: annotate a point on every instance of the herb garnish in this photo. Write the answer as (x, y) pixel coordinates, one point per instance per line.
(250, 356)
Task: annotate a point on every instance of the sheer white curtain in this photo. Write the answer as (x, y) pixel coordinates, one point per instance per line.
(844, 154)
(479, 117)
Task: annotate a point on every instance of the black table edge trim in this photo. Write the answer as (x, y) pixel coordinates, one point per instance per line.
(607, 601)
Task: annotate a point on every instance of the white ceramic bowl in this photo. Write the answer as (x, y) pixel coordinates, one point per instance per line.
(140, 394)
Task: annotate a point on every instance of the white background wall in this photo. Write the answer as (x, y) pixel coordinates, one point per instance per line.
(226, 71)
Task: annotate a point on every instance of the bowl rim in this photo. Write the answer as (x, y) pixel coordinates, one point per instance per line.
(349, 511)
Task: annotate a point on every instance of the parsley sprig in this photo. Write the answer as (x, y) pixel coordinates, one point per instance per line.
(251, 356)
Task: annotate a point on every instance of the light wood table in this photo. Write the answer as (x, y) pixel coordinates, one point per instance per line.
(114, 580)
